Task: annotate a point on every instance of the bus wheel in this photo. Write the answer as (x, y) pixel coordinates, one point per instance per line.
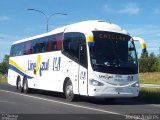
(69, 91)
(25, 86)
(18, 85)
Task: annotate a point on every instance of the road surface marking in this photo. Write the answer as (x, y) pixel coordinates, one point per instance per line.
(69, 104)
(6, 102)
(156, 105)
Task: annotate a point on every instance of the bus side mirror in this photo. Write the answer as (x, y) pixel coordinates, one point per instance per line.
(131, 49)
(82, 46)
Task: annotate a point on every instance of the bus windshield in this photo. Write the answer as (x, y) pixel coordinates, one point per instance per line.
(113, 53)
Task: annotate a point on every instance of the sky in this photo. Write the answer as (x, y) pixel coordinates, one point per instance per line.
(140, 18)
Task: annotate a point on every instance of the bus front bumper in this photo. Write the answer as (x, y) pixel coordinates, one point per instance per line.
(114, 92)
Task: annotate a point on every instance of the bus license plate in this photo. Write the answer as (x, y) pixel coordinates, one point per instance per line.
(119, 89)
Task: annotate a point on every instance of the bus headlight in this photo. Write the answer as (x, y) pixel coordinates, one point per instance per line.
(136, 84)
(95, 82)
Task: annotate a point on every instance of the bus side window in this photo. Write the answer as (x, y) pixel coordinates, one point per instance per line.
(28, 48)
(19, 49)
(83, 55)
(49, 45)
(131, 51)
(71, 45)
(52, 43)
(12, 52)
(40, 45)
(59, 41)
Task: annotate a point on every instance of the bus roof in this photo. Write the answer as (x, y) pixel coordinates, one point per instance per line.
(84, 27)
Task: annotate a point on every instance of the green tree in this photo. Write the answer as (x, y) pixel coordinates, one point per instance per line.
(6, 58)
(4, 65)
(147, 63)
(3, 68)
(157, 64)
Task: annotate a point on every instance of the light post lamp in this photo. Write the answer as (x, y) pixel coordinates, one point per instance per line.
(47, 18)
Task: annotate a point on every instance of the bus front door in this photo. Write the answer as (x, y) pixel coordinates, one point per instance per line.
(83, 72)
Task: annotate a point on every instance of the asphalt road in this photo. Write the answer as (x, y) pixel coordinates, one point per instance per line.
(51, 103)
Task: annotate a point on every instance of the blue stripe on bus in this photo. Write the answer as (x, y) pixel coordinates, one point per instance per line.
(91, 44)
(19, 72)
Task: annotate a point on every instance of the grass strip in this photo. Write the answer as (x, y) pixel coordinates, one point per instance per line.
(3, 79)
(150, 93)
(150, 78)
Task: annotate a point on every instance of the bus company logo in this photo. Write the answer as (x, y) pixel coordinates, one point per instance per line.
(106, 76)
(130, 78)
(83, 75)
(56, 63)
(38, 66)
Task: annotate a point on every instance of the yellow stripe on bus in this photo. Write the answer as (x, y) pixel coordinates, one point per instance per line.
(16, 65)
(89, 38)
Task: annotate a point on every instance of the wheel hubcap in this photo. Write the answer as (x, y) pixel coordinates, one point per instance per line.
(25, 87)
(69, 90)
(19, 85)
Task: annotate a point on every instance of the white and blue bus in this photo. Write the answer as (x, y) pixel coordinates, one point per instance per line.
(89, 58)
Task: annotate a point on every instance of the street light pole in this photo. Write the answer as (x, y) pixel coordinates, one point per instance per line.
(47, 18)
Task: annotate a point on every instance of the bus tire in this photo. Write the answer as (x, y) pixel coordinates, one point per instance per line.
(18, 84)
(25, 86)
(68, 91)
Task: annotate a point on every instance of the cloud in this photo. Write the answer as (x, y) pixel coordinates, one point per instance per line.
(4, 18)
(108, 9)
(129, 8)
(8, 38)
(144, 30)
